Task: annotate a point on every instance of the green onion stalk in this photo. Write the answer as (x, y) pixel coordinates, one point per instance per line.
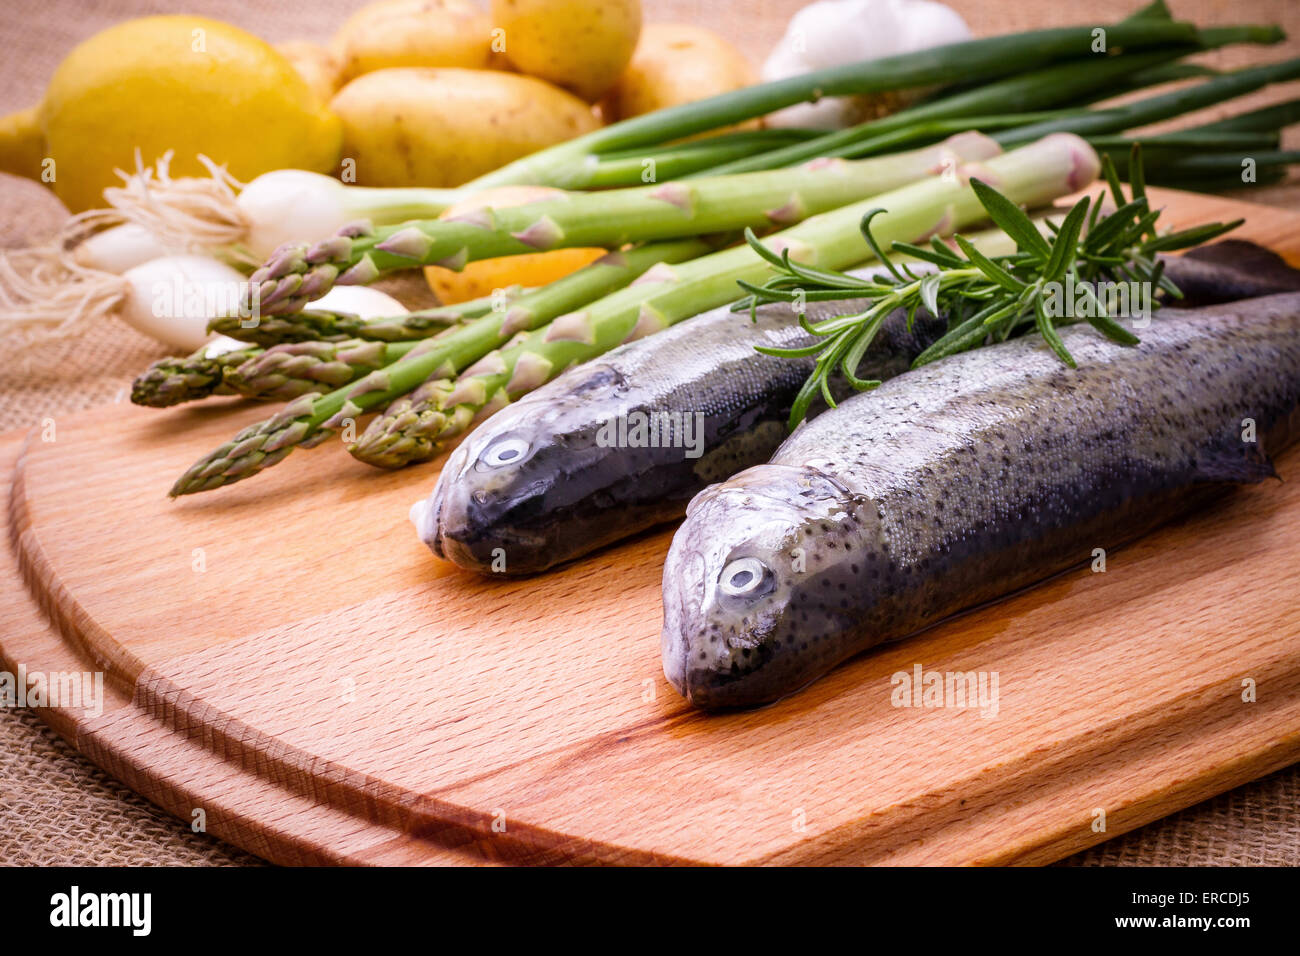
(569, 164)
(982, 108)
(1223, 167)
(1074, 82)
(1153, 109)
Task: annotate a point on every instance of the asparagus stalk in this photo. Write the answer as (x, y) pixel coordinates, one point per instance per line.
(298, 273)
(419, 325)
(329, 326)
(313, 416)
(332, 326)
(267, 369)
(1035, 174)
(414, 427)
(298, 368)
(171, 381)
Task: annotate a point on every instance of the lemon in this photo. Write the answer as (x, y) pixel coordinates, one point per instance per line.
(162, 83)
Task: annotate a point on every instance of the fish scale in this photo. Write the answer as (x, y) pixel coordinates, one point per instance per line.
(963, 481)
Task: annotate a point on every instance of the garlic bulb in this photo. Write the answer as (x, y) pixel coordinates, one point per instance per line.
(835, 32)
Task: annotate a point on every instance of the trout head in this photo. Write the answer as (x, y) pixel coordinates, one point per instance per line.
(758, 593)
(518, 475)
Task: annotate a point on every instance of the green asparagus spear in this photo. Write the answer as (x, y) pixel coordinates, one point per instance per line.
(326, 325)
(297, 368)
(1032, 175)
(311, 417)
(413, 427)
(171, 381)
(298, 273)
(318, 325)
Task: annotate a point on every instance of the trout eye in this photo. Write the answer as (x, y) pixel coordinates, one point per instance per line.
(505, 452)
(745, 577)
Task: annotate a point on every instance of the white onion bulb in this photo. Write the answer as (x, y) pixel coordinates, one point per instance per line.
(117, 249)
(173, 298)
(292, 205)
(359, 300)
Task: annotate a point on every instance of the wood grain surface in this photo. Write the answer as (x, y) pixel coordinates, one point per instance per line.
(286, 657)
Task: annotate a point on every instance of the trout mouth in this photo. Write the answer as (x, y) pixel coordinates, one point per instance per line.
(735, 634)
(476, 528)
(681, 605)
(470, 519)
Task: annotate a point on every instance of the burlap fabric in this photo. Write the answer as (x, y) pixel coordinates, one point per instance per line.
(57, 808)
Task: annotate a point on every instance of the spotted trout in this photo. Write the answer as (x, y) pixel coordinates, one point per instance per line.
(963, 481)
(622, 443)
(618, 445)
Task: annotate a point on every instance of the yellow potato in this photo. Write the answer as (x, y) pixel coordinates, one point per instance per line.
(485, 276)
(317, 65)
(396, 33)
(676, 63)
(427, 127)
(579, 45)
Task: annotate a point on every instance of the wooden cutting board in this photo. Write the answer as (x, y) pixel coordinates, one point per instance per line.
(287, 665)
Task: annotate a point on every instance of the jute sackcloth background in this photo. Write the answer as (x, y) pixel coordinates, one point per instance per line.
(57, 808)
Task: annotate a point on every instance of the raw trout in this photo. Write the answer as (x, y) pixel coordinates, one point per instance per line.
(622, 443)
(963, 481)
(575, 465)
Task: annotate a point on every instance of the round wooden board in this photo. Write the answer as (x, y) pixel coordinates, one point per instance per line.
(284, 656)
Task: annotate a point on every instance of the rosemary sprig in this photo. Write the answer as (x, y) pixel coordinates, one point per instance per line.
(984, 299)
